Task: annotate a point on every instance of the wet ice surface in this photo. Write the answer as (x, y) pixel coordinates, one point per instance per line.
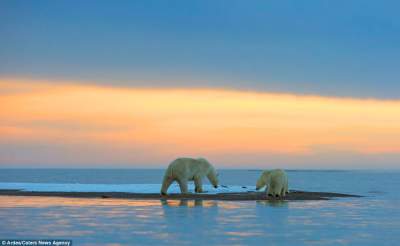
(130, 188)
(371, 220)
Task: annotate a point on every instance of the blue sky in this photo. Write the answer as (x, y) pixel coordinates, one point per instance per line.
(329, 48)
(50, 51)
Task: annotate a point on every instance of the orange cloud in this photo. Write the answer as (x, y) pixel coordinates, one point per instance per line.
(173, 122)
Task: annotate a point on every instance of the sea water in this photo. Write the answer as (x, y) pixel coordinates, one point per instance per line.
(370, 220)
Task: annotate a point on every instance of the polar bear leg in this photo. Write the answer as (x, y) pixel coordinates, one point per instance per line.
(165, 185)
(198, 184)
(283, 191)
(269, 191)
(278, 190)
(273, 193)
(183, 184)
(275, 190)
(287, 186)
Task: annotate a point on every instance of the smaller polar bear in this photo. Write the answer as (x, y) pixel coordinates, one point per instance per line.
(183, 170)
(276, 181)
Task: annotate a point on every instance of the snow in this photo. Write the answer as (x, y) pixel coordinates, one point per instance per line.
(130, 188)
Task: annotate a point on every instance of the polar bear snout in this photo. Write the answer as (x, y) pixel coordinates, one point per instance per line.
(213, 177)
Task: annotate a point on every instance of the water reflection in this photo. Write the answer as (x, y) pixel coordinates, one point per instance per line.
(141, 222)
(188, 203)
(273, 203)
(42, 202)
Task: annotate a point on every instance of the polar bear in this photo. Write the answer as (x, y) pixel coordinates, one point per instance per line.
(183, 170)
(276, 181)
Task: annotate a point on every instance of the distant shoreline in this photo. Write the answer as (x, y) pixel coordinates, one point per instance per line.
(294, 195)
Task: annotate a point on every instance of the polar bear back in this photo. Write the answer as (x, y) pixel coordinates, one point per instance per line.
(189, 167)
(277, 177)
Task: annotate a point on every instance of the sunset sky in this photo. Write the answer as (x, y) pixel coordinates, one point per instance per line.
(257, 84)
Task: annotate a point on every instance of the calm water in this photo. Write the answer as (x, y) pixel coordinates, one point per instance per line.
(371, 220)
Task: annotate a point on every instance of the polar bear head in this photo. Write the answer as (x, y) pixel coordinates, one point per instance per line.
(263, 180)
(213, 177)
(212, 174)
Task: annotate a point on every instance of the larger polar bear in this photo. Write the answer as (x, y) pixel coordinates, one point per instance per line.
(183, 170)
(276, 181)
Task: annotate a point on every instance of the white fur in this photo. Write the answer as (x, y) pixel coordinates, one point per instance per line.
(183, 170)
(276, 182)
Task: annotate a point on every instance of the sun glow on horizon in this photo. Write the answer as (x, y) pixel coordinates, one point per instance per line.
(76, 123)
